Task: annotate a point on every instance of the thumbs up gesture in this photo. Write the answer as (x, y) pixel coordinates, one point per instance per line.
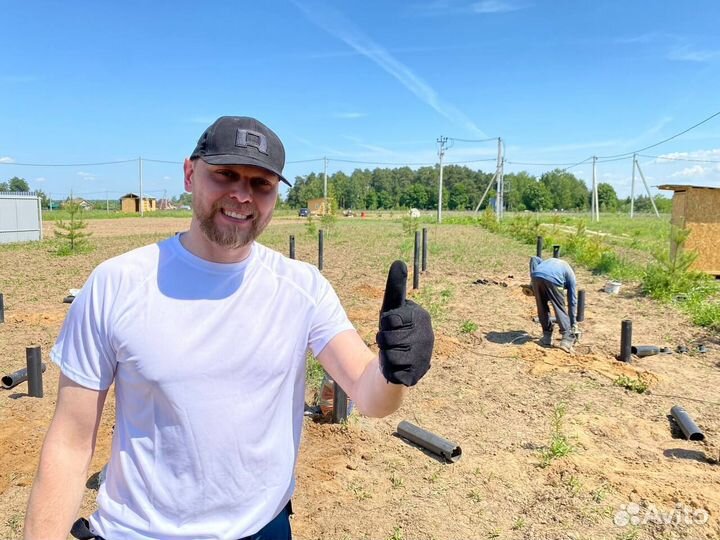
(406, 337)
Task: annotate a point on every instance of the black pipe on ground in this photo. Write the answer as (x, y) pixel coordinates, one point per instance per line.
(20, 376)
(416, 262)
(581, 306)
(429, 441)
(539, 246)
(2, 309)
(321, 248)
(34, 371)
(626, 341)
(644, 350)
(340, 408)
(556, 251)
(292, 246)
(687, 424)
(424, 248)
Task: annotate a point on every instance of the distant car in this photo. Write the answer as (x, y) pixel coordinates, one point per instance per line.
(303, 212)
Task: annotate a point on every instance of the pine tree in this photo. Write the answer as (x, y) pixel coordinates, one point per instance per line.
(72, 230)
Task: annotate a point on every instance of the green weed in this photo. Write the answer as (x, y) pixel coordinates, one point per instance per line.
(635, 385)
(468, 327)
(559, 445)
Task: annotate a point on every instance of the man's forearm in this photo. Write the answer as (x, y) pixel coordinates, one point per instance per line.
(374, 395)
(57, 492)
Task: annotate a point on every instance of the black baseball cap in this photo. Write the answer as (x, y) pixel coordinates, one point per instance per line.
(241, 140)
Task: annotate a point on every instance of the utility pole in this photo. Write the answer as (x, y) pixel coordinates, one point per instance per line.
(141, 187)
(647, 189)
(325, 199)
(442, 141)
(632, 189)
(594, 195)
(500, 199)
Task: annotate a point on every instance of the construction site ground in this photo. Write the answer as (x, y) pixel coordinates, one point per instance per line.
(492, 390)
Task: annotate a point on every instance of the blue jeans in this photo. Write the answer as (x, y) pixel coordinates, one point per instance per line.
(277, 529)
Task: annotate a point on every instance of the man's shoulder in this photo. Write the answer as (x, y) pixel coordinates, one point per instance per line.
(138, 261)
(300, 273)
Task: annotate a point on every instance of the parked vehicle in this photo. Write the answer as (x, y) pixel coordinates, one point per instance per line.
(303, 212)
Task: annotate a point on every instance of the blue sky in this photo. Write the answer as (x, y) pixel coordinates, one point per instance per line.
(364, 84)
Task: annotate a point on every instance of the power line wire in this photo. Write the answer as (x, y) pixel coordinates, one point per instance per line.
(665, 140)
(67, 164)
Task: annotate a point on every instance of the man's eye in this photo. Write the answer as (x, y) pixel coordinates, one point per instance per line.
(261, 182)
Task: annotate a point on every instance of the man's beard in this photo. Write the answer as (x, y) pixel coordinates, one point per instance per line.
(229, 236)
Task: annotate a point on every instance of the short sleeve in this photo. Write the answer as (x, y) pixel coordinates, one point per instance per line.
(329, 318)
(83, 349)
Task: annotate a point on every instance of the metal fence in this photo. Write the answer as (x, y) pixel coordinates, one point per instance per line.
(20, 217)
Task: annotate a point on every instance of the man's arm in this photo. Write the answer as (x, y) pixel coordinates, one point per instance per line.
(378, 383)
(356, 369)
(571, 286)
(64, 462)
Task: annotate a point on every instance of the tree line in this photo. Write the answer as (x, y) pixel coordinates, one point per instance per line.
(463, 188)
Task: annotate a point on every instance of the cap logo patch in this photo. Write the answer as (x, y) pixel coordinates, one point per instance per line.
(248, 137)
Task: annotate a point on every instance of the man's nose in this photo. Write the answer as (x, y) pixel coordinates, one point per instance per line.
(241, 191)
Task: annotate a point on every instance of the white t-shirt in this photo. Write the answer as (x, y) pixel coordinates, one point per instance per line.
(208, 361)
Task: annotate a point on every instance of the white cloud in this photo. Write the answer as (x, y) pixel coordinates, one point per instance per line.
(41, 179)
(712, 154)
(86, 175)
(696, 171)
(334, 23)
(6, 159)
(687, 54)
(349, 115)
(494, 6)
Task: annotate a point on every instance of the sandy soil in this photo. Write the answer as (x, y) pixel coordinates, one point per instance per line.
(492, 390)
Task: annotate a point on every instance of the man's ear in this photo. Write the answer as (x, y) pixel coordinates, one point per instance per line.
(188, 173)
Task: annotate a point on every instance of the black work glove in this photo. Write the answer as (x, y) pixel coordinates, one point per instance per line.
(406, 335)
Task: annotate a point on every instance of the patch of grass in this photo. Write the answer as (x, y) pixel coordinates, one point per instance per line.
(359, 490)
(518, 524)
(475, 495)
(630, 534)
(396, 481)
(14, 523)
(468, 327)
(314, 373)
(434, 301)
(559, 445)
(397, 534)
(635, 385)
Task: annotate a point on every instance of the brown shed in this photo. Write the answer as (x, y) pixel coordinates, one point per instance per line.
(130, 203)
(697, 208)
(319, 206)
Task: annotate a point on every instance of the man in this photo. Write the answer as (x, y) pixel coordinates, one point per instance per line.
(204, 335)
(547, 276)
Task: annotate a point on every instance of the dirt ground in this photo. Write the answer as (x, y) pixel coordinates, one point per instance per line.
(492, 390)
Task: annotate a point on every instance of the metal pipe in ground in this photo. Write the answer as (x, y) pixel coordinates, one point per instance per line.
(539, 246)
(581, 306)
(2, 309)
(292, 246)
(429, 441)
(556, 251)
(416, 262)
(321, 248)
(34, 371)
(424, 248)
(340, 412)
(20, 376)
(625, 341)
(688, 426)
